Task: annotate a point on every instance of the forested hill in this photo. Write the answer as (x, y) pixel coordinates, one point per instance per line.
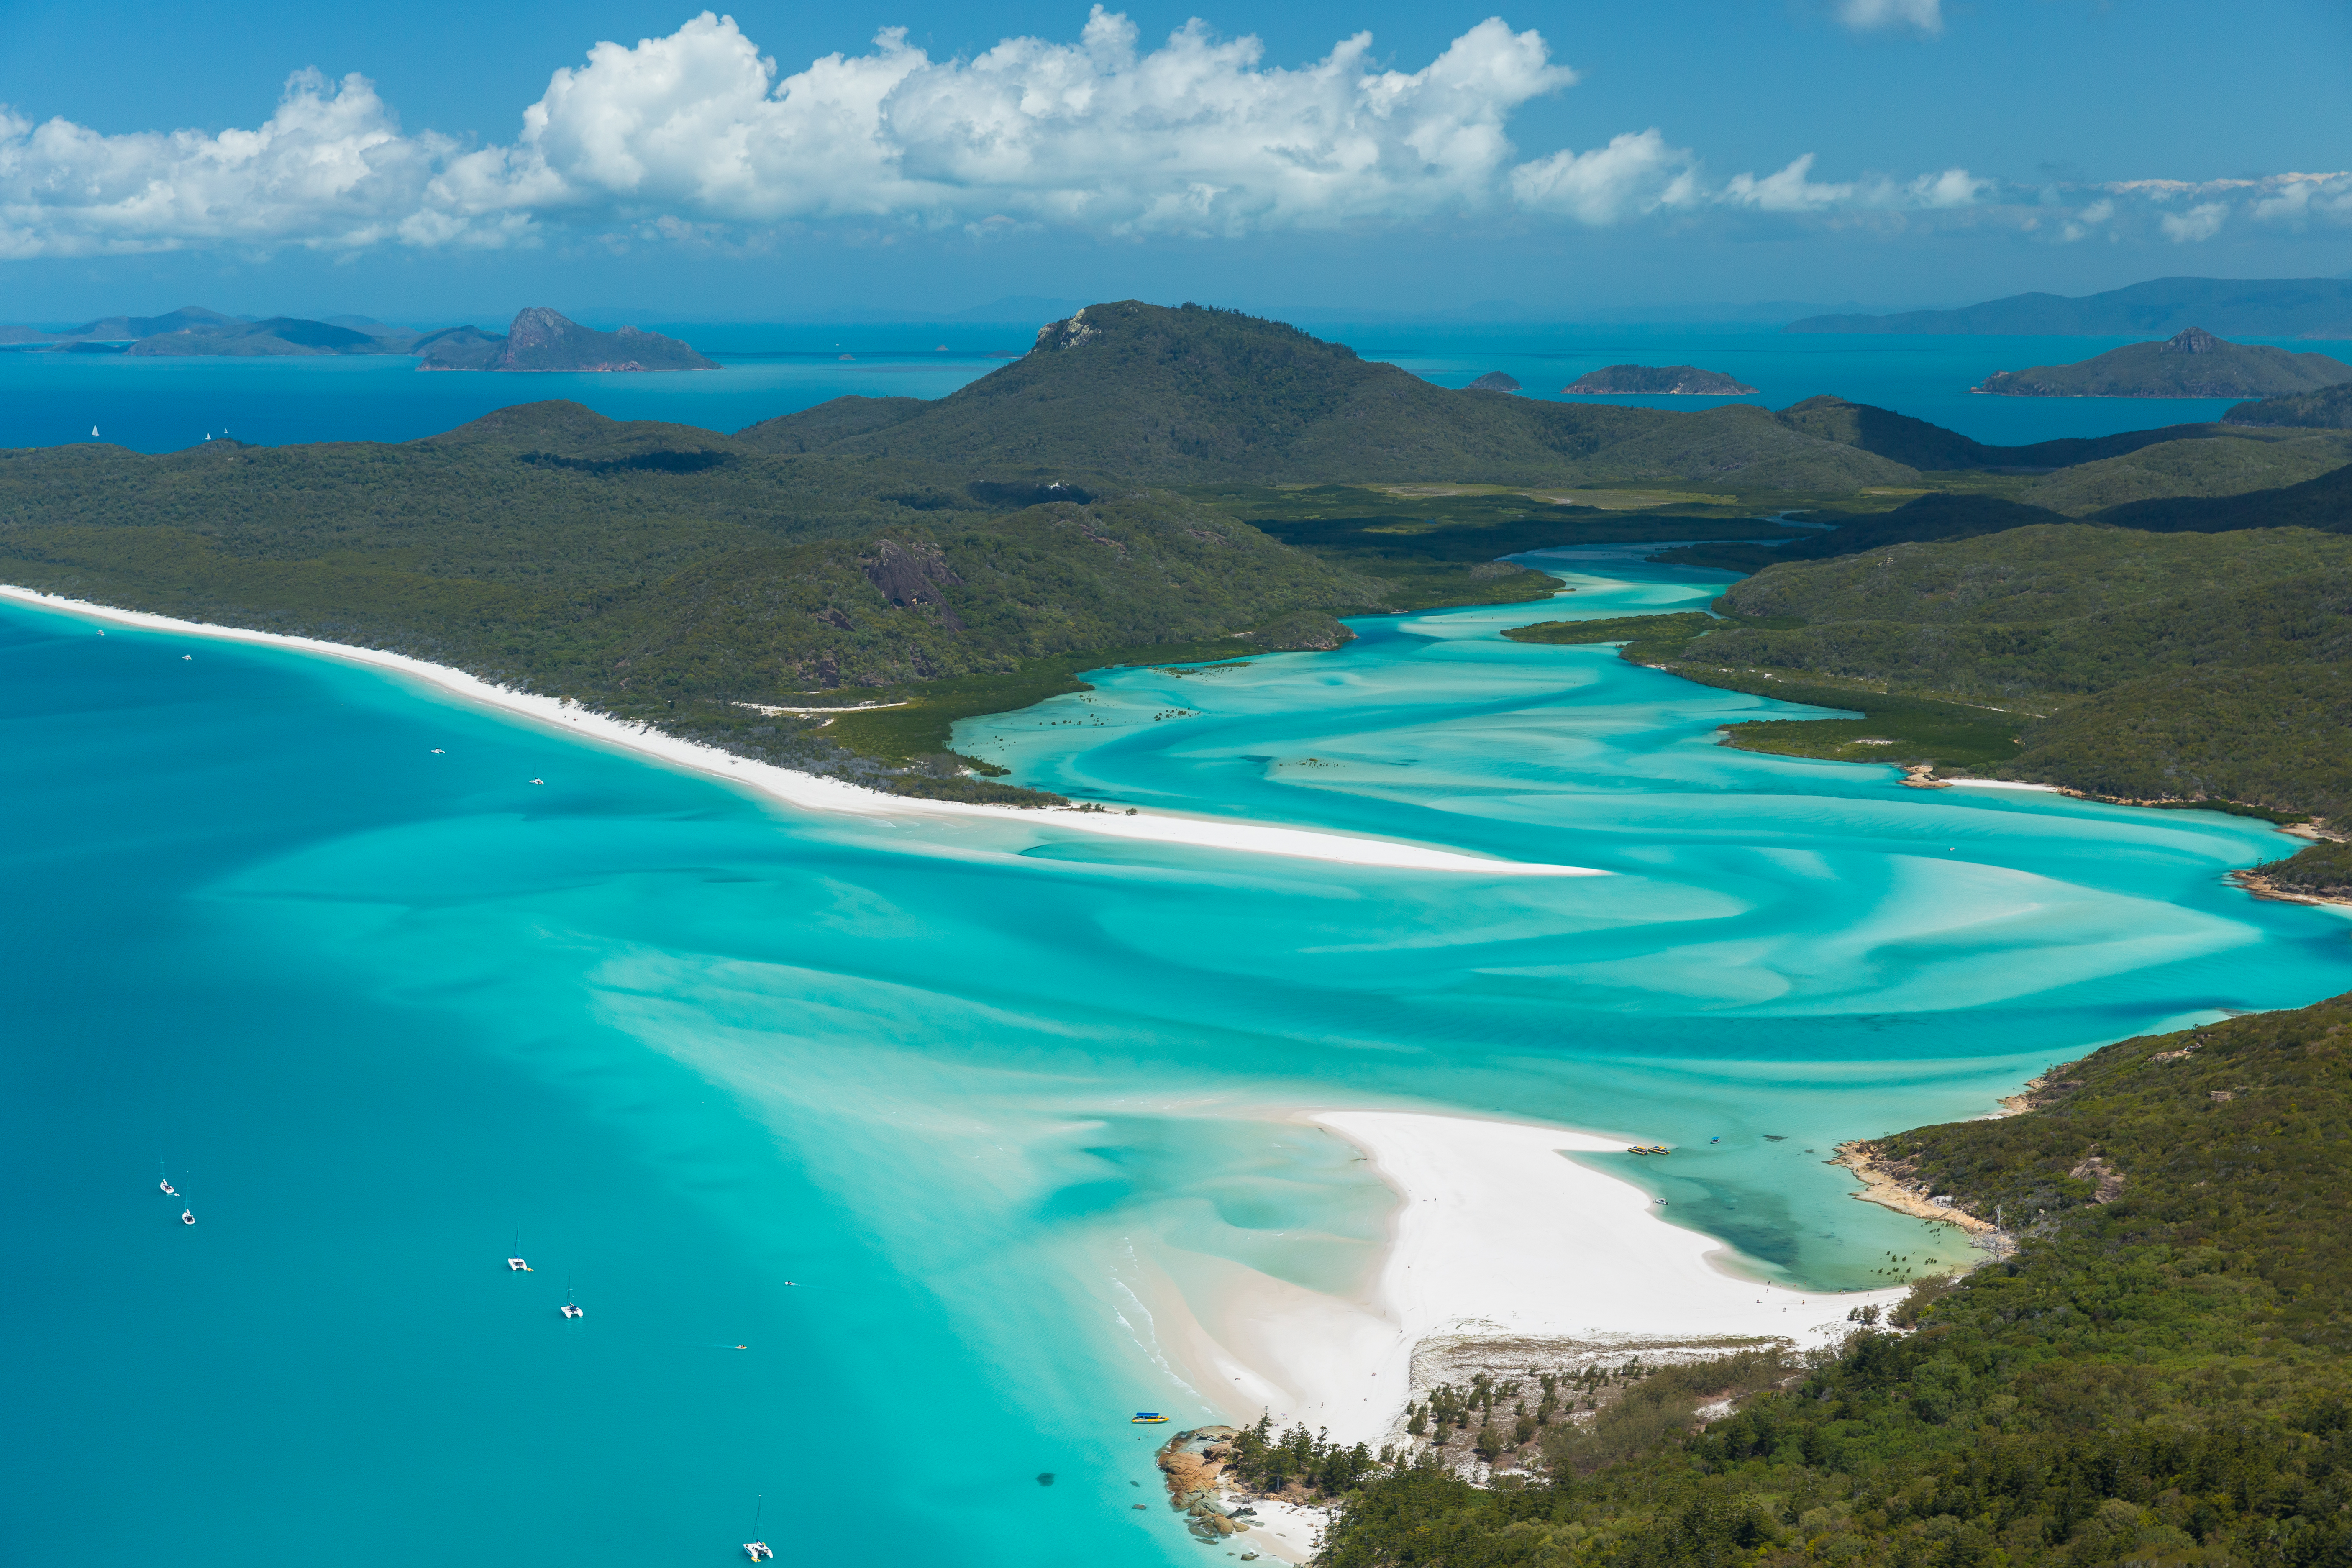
(2157, 1375)
(1194, 395)
(673, 575)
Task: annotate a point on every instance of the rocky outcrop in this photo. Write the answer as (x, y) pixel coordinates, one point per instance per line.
(912, 575)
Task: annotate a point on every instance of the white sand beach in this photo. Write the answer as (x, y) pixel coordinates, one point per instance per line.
(808, 792)
(1496, 1233)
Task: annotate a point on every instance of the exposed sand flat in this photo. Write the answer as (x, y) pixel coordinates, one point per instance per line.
(1496, 1233)
(809, 792)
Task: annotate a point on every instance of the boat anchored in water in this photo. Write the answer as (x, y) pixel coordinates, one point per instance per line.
(188, 1216)
(757, 1549)
(1146, 1418)
(516, 1263)
(571, 1307)
(164, 1185)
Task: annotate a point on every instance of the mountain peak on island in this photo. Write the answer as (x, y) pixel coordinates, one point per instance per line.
(2191, 363)
(543, 339)
(1188, 395)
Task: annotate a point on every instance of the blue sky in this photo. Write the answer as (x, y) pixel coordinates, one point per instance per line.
(437, 160)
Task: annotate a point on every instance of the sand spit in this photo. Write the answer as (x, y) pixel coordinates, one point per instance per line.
(808, 792)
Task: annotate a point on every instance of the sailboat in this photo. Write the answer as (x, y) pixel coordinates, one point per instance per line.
(571, 1307)
(757, 1549)
(166, 1183)
(517, 1264)
(188, 1216)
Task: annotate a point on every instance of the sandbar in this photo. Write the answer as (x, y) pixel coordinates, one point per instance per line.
(810, 791)
(1496, 1233)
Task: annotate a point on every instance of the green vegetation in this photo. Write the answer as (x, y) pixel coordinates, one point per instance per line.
(2157, 1375)
(1298, 1461)
(2195, 363)
(658, 572)
(2324, 503)
(1656, 381)
(1674, 631)
(1194, 395)
(2146, 667)
(2226, 465)
(2324, 871)
(1932, 448)
(2329, 408)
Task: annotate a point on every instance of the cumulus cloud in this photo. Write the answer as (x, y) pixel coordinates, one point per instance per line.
(2201, 222)
(697, 137)
(1636, 172)
(1196, 135)
(1927, 15)
(329, 168)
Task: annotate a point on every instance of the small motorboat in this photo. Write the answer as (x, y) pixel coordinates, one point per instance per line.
(1146, 1418)
(188, 1216)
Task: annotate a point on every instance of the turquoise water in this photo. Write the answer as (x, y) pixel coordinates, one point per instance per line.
(163, 404)
(917, 1111)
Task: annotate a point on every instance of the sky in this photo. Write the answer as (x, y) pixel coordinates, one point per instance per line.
(434, 162)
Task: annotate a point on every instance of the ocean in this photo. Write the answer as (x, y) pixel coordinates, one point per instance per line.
(163, 404)
(920, 1114)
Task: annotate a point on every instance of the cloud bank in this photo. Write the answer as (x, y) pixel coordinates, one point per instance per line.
(698, 134)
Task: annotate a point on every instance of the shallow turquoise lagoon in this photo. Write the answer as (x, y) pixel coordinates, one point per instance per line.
(937, 1117)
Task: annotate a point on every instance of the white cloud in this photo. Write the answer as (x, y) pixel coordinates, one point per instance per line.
(1196, 135)
(696, 137)
(1788, 191)
(2300, 198)
(1636, 172)
(329, 170)
(2085, 220)
(2199, 223)
(1927, 15)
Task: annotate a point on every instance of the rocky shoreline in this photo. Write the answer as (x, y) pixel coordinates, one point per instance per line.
(1885, 1183)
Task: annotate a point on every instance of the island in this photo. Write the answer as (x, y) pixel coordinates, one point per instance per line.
(1494, 381)
(2251, 307)
(1657, 380)
(539, 339)
(2192, 363)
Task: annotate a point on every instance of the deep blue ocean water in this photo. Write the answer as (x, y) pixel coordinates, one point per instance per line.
(916, 1110)
(161, 405)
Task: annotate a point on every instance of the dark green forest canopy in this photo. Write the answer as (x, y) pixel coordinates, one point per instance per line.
(2119, 663)
(2156, 1375)
(1194, 395)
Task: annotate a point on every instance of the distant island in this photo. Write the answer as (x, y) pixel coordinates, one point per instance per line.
(2194, 363)
(1494, 381)
(538, 340)
(2261, 307)
(1658, 380)
(541, 340)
